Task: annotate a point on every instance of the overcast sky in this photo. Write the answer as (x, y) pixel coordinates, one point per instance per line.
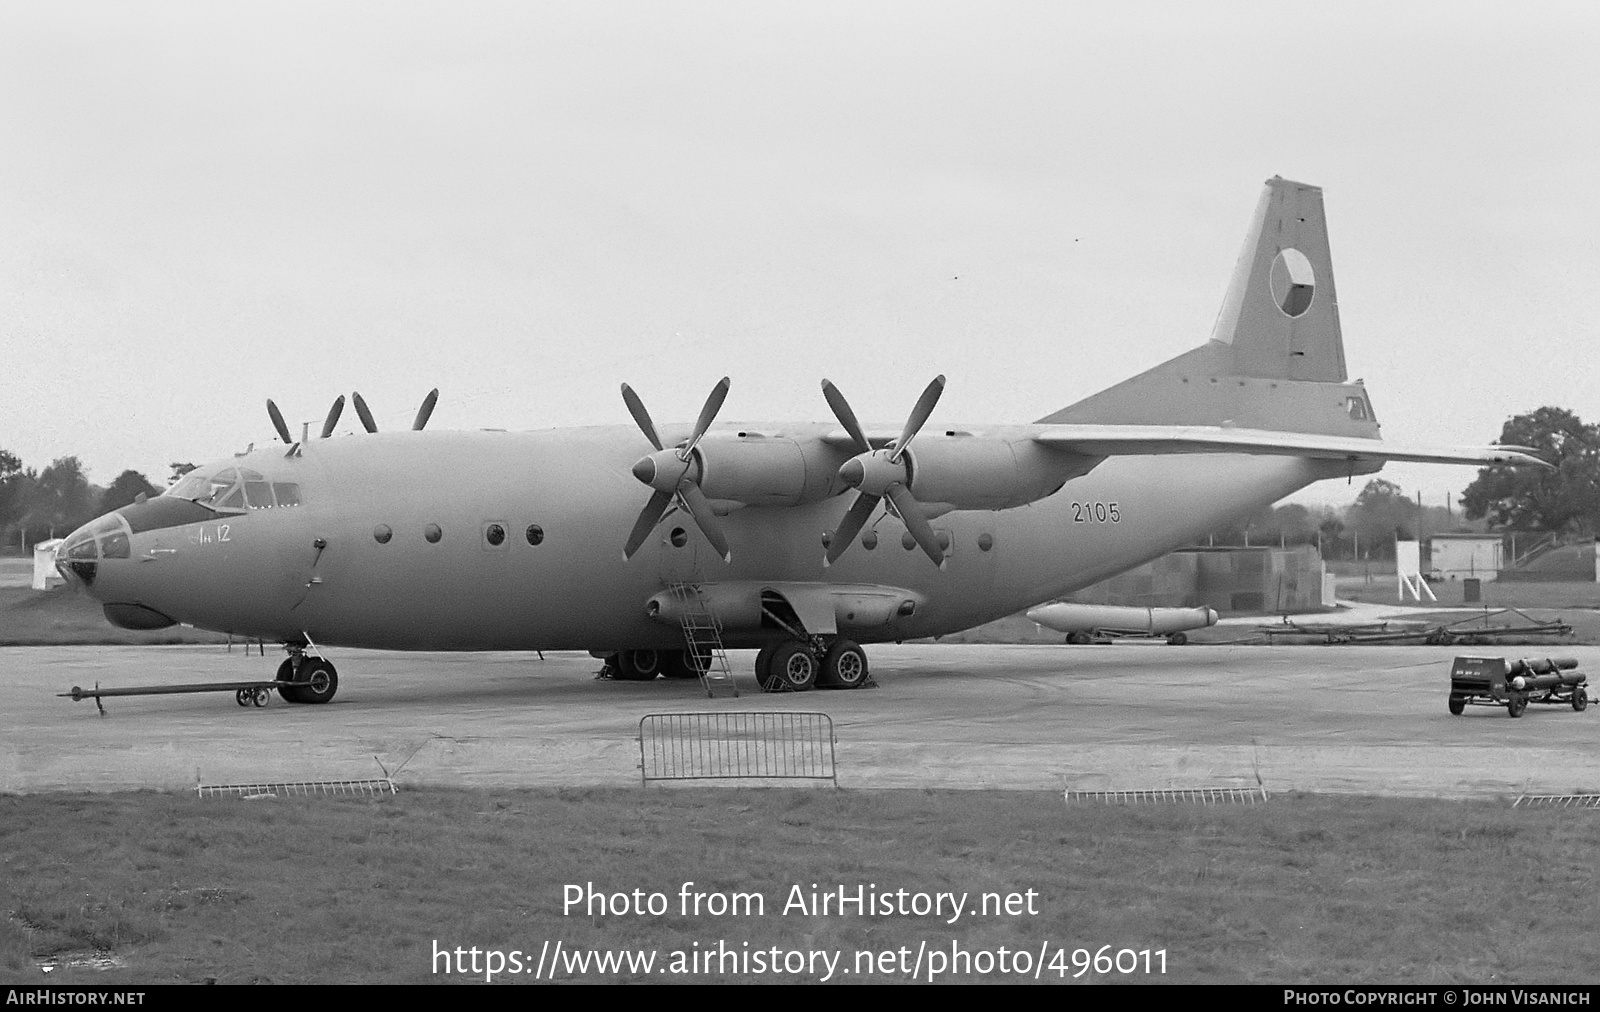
(206, 205)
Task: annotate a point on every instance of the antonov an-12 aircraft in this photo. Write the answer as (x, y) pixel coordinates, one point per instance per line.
(802, 540)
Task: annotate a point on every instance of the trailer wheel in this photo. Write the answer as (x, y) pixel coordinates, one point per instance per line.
(1177, 639)
(242, 697)
(1516, 704)
(1457, 704)
(1580, 698)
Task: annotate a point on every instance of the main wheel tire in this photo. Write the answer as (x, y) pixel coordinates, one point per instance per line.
(844, 666)
(1580, 698)
(1516, 704)
(1457, 704)
(286, 673)
(681, 664)
(764, 679)
(639, 665)
(318, 681)
(793, 668)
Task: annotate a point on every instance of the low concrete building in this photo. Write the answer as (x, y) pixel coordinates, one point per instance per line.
(1466, 556)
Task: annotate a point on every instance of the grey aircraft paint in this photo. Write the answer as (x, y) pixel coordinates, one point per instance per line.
(495, 540)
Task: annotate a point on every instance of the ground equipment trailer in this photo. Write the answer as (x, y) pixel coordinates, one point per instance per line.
(1494, 681)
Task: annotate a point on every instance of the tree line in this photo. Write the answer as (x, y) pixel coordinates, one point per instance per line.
(1563, 499)
(36, 505)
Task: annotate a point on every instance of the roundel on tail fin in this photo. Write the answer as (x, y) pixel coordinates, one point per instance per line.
(1293, 283)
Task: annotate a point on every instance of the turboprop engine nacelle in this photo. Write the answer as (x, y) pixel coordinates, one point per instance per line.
(962, 471)
(750, 468)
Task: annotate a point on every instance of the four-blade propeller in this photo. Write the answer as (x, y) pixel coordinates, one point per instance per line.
(675, 474)
(880, 474)
(361, 409)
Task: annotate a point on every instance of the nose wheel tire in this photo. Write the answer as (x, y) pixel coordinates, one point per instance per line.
(290, 693)
(317, 682)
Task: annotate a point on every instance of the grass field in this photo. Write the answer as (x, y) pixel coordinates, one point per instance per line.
(64, 616)
(1300, 889)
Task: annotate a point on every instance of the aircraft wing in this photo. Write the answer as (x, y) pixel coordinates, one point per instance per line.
(1160, 440)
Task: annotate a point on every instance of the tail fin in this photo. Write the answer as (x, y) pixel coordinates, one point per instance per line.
(1281, 315)
(1276, 357)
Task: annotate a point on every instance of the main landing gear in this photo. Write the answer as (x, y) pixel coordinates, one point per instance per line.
(645, 665)
(830, 662)
(312, 679)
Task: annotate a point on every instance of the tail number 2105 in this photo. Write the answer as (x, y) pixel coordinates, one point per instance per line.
(1096, 512)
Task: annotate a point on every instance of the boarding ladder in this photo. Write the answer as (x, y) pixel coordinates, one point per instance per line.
(702, 634)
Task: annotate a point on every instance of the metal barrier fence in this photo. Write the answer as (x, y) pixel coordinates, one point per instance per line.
(755, 744)
(1193, 796)
(303, 788)
(1557, 801)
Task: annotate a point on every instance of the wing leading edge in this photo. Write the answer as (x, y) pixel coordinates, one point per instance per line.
(1162, 440)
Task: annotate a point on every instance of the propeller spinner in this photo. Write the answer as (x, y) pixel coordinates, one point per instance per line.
(880, 474)
(675, 474)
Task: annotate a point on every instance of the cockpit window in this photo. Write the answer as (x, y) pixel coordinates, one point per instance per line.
(236, 488)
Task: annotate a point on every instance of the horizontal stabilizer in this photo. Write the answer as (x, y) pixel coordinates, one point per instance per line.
(1161, 440)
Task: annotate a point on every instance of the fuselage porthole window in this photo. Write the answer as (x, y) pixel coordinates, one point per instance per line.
(869, 540)
(382, 533)
(535, 534)
(433, 534)
(495, 535)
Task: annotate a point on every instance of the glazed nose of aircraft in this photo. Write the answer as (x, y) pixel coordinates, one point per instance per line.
(77, 558)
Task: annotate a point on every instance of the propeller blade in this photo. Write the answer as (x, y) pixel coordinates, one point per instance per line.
(640, 415)
(366, 416)
(648, 518)
(277, 421)
(850, 526)
(906, 504)
(708, 414)
(333, 417)
(919, 414)
(426, 411)
(699, 507)
(847, 418)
